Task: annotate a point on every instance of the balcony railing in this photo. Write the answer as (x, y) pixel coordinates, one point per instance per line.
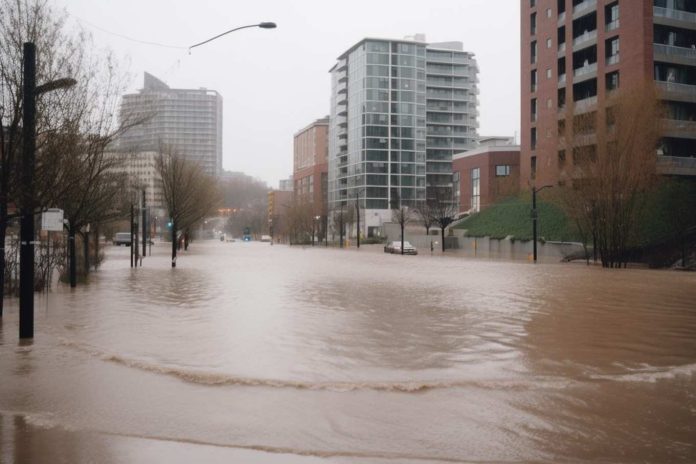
(682, 52)
(680, 127)
(561, 17)
(562, 79)
(672, 13)
(676, 165)
(613, 59)
(586, 5)
(585, 104)
(587, 69)
(561, 48)
(612, 25)
(677, 89)
(585, 37)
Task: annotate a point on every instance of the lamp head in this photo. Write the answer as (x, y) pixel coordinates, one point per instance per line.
(267, 25)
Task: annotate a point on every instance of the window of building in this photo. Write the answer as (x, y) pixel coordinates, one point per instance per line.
(548, 12)
(548, 73)
(549, 42)
(533, 49)
(532, 23)
(534, 80)
(612, 80)
(476, 189)
(532, 3)
(549, 103)
(533, 109)
(561, 158)
(611, 16)
(533, 165)
(534, 138)
(611, 48)
(502, 170)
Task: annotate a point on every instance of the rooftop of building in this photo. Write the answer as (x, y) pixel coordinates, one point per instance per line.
(490, 144)
(152, 84)
(319, 122)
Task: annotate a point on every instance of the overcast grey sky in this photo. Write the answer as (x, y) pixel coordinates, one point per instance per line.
(274, 82)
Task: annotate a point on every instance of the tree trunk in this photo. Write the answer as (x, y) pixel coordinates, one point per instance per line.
(85, 246)
(96, 247)
(186, 241)
(442, 236)
(71, 250)
(3, 234)
(174, 240)
(403, 226)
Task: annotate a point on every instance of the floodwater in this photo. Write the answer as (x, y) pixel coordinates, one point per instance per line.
(255, 353)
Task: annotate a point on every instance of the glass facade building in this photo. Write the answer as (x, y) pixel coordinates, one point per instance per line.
(399, 110)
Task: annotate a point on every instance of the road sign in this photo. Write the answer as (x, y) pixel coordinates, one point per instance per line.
(52, 220)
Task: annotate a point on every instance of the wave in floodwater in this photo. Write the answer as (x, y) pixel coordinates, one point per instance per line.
(648, 374)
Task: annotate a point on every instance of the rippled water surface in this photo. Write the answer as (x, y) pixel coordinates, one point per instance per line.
(317, 355)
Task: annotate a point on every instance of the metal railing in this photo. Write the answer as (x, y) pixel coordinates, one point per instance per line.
(585, 37)
(662, 49)
(587, 69)
(682, 90)
(672, 13)
(613, 59)
(612, 25)
(680, 126)
(676, 165)
(587, 4)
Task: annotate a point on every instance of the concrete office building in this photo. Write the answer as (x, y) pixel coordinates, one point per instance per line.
(581, 50)
(188, 120)
(310, 165)
(399, 110)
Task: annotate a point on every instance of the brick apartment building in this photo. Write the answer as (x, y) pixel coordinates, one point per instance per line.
(310, 165)
(486, 174)
(581, 50)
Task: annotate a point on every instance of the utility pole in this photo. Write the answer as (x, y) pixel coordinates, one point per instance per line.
(535, 218)
(357, 210)
(144, 227)
(132, 227)
(26, 256)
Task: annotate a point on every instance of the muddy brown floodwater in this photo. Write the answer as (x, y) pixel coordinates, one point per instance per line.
(255, 353)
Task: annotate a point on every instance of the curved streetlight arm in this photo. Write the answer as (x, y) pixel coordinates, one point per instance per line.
(265, 25)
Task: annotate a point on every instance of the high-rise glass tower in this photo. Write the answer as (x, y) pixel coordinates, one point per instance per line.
(188, 120)
(399, 110)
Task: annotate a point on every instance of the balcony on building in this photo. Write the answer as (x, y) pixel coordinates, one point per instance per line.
(581, 7)
(678, 81)
(683, 15)
(586, 39)
(674, 45)
(585, 64)
(685, 129)
(676, 165)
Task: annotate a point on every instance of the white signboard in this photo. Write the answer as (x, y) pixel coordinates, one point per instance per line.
(52, 220)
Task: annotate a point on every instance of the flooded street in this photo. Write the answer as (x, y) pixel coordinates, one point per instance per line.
(260, 353)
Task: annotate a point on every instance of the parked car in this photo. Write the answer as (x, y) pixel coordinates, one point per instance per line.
(265, 238)
(395, 247)
(122, 238)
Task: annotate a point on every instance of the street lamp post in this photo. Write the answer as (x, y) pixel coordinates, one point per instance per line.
(26, 266)
(535, 218)
(264, 25)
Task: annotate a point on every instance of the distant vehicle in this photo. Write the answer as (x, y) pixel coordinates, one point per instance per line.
(395, 247)
(122, 238)
(247, 235)
(265, 238)
(222, 237)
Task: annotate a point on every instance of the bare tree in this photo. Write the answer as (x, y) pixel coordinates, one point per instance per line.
(73, 127)
(189, 194)
(401, 214)
(443, 208)
(424, 214)
(613, 169)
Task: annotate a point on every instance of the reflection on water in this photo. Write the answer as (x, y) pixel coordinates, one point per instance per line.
(357, 356)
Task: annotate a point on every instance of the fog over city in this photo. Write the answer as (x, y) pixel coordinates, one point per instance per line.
(274, 82)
